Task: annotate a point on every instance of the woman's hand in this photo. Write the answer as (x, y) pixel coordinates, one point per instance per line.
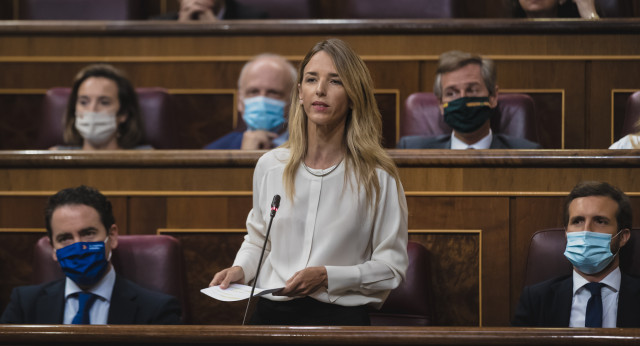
(305, 282)
(228, 276)
(587, 9)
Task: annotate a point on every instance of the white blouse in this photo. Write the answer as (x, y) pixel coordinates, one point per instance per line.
(363, 248)
(627, 142)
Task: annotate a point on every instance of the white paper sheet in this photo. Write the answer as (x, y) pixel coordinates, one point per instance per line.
(235, 292)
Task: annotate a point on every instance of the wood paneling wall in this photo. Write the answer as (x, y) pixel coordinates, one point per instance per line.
(475, 211)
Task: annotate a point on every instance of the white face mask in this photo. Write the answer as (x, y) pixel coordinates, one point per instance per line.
(96, 127)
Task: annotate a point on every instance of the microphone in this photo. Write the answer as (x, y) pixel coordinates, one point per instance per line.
(275, 204)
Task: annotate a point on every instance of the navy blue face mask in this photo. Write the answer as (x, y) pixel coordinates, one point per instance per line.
(84, 262)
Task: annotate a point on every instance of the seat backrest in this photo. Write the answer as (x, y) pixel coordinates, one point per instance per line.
(631, 115)
(160, 127)
(515, 116)
(405, 9)
(283, 9)
(615, 8)
(154, 262)
(411, 303)
(51, 125)
(82, 9)
(546, 258)
(159, 120)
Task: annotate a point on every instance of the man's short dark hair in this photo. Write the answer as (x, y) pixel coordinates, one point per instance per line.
(595, 188)
(77, 196)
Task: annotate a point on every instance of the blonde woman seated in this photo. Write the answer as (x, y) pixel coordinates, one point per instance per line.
(338, 244)
(630, 141)
(102, 112)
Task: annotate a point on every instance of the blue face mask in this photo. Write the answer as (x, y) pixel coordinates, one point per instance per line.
(84, 262)
(590, 252)
(263, 113)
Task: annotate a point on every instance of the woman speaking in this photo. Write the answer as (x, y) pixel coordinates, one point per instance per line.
(338, 244)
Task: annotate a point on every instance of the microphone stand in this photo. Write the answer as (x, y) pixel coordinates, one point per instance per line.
(274, 208)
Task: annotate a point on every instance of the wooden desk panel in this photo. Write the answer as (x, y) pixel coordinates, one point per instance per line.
(257, 335)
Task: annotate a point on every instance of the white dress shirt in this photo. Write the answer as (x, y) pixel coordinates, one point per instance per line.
(609, 293)
(364, 249)
(484, 143)
(99, 312)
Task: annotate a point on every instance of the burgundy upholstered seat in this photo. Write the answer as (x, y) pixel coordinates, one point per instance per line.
(152, 261)
(160, 127)
(404, 9)
(615, 8)
(283, 9)
(515, 116)
(546, 256)
(411, 303)
(82, 9)
(631, 115)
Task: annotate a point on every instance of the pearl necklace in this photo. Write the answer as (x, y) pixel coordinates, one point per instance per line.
(331, 169)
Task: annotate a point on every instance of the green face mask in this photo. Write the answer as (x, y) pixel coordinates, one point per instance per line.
(467, 114)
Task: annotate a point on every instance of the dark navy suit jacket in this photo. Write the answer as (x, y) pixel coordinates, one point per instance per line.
(548, 304)
(232, 140)
(498, 141)
(130, 304)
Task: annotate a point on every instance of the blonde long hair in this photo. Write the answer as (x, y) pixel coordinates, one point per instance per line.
(363, 126)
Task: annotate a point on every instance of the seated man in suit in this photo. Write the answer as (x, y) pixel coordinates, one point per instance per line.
(597, 294)
(264, 95)
(83, 233)
(466, 87)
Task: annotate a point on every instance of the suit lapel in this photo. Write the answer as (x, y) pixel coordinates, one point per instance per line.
(50, 305)
(123, 308)
(561, 306)
(445, 145)
(628, 303)
(496, 143)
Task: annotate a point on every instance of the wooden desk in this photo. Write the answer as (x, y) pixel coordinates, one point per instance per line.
(474, 210)
(579, 72)
(248, 335)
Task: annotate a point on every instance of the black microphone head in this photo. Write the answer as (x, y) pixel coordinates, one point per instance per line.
(275, 204)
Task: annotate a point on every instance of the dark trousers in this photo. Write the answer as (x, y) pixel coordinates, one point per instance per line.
(308, 312)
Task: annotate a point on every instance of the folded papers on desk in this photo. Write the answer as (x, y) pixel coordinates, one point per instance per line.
(236, 292)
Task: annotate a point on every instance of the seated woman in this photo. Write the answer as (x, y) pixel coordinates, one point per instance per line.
(339, 242)
(585, 9)
(630, 141)
(102, 112)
